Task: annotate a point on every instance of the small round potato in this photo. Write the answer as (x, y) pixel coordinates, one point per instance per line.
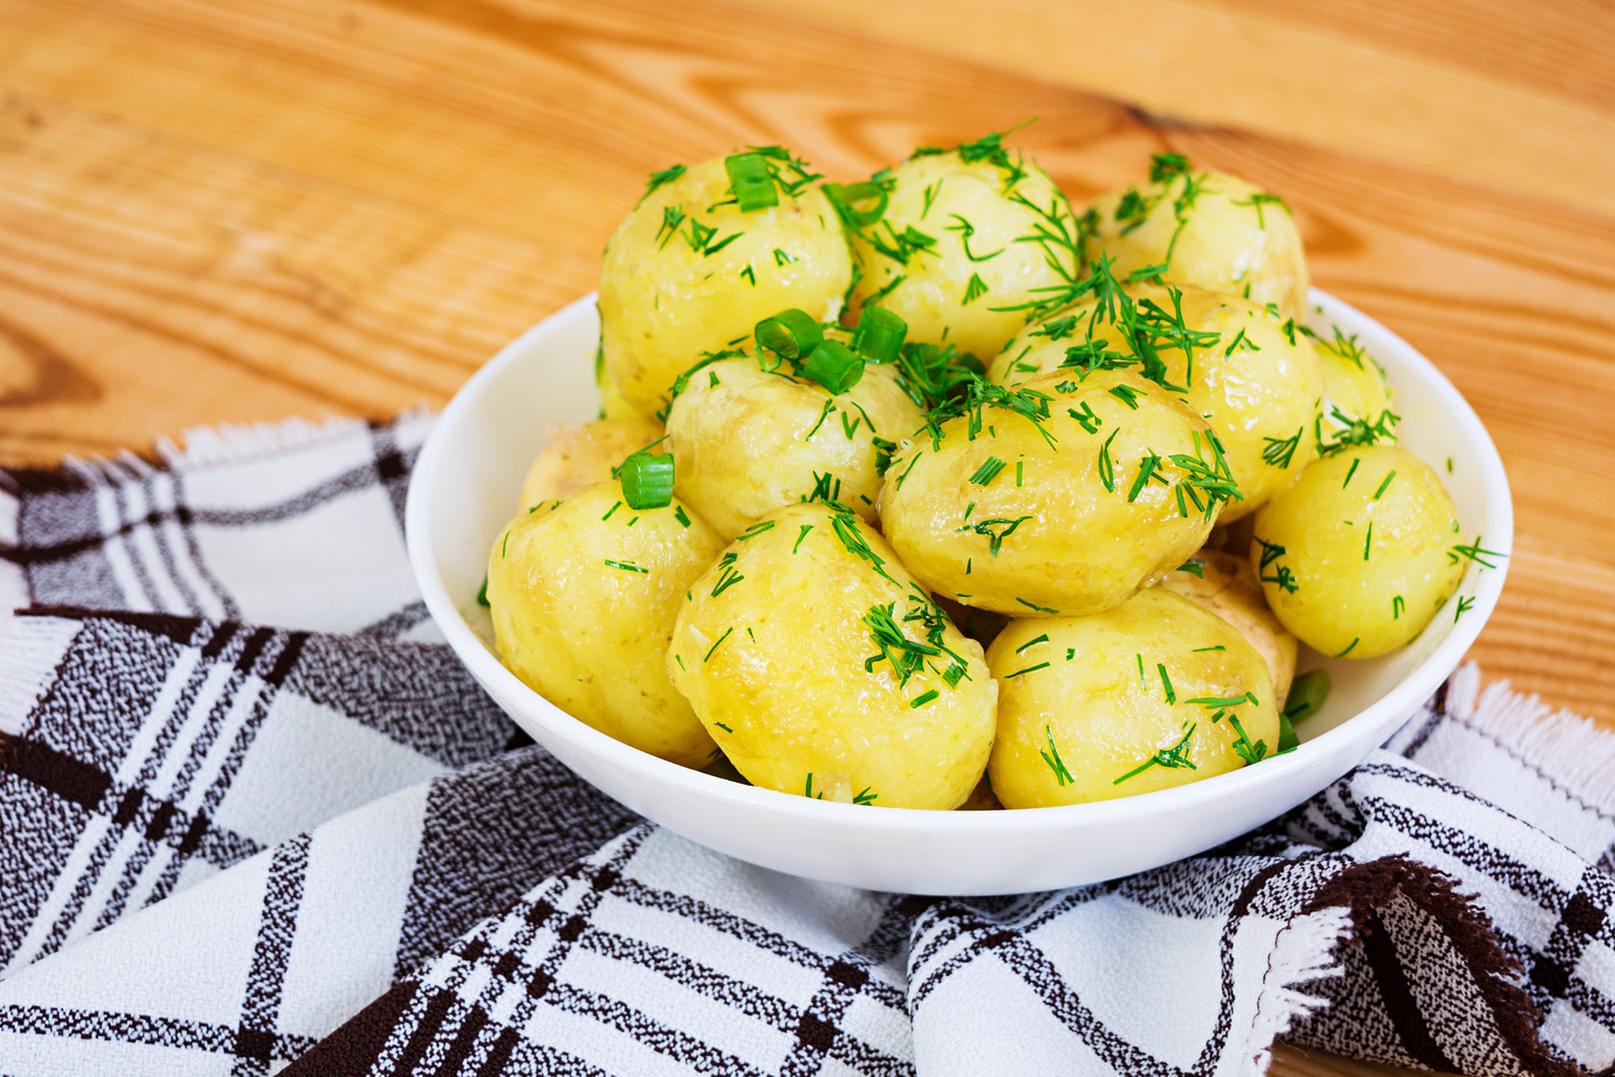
(579, 456)
(613, 405)
(822, 669)
(1225, 585)
(959, 238)
(583, 595)
(1254, 378)
(749, 441)
(1150, 694)
(1209, 229)
(1356, 558)
(689, 273)
(1354, 392)
(1065, 514)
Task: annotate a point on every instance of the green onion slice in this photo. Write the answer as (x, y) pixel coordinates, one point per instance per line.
(749, 179)
(834, 366)
(850, 198)
(879, 336)
(1307, 693)
(647, 480)
(790, 334)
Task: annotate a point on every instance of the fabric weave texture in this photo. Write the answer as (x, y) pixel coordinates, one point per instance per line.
(254, 818)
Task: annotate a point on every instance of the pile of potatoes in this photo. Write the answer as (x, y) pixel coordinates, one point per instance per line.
(926, 491)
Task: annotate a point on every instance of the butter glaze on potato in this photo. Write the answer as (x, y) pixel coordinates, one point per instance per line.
(1254, 378)
(773, 648)
(1083, 708)
(748, 441)
(971, 248)
(1357, 557)
(1045, 535)
(1208, 229)
(667, 295)
(583, 594)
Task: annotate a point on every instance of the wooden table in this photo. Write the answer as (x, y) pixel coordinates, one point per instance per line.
(239, 211)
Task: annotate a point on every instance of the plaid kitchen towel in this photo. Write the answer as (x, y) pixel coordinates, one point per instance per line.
(253, 819)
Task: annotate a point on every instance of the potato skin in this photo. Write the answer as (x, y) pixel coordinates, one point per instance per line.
(590, 638)
(664, 303)
(1227, 586)
(1354, 386)
(748, 441)
(1104, 720)
(933, 194)
(1078, 547)
(1227, 242)
(777, 665)
(1256, 396)
(582, 455)
(1332, 581)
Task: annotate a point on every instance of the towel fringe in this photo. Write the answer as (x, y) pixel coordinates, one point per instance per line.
(1303, 951)
(1575, 750)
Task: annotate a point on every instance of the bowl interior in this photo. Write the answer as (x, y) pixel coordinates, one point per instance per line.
(465, 487)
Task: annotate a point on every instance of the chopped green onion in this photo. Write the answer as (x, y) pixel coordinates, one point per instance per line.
(879, 336)
(847, 197)
(790, 334)
(834, 366)
(1306, 698)
(647, 480)
(988, 471)
(749, 179)
(482, 592)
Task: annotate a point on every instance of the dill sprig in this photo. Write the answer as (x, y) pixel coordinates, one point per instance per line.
(1281, 576)
(1051, 757)
(1474, 552)
(1172, 758)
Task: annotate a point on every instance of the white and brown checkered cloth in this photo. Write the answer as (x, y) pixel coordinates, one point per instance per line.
(253, 819)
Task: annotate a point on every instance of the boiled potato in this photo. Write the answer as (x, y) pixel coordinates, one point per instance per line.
(749, 441)
(1357, 557)
(579, 456)
(1226, 585)
(822, 669)
(583, 595)
(965, 232)
(613, 405)
(1254, 378)
(689, 273)
(1207, 228)
(1066, 513)
(1149, 694)
(1355, 393)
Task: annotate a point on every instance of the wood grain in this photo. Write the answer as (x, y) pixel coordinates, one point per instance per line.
(214, 210)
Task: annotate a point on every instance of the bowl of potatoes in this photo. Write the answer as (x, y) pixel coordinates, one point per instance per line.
(924, 533)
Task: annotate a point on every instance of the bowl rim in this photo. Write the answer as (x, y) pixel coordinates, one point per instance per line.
(1386, 712)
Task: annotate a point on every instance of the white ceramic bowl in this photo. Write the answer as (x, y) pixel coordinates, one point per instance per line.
(464, 490)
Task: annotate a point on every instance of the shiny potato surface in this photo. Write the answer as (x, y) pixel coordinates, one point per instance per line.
(579, 456)
(1254, 378)
(1357, 557)
(1225, 584)
(1208, 229)
(821, 668)
(1060, 515)
(960, 238)
(583, 595)
(750, 441)
(1153, 693)
(689, 273)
